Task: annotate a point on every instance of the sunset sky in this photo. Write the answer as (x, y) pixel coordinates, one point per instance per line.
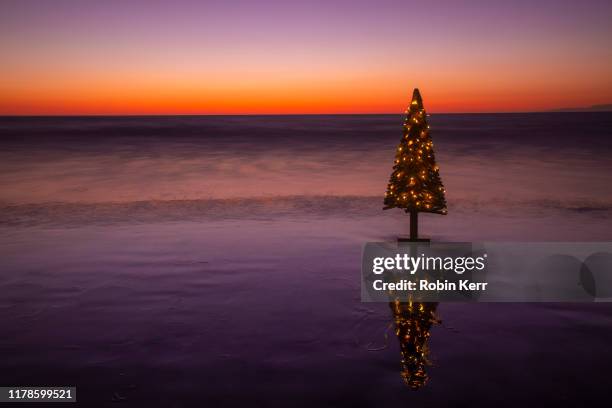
(224, 57)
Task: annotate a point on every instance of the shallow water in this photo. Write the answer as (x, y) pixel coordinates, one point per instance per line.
(215, 260)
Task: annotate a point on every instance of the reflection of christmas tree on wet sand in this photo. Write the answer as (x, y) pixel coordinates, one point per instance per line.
(413, 322)
(415, 186)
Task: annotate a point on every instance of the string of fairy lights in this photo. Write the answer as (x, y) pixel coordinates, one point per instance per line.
(415, 183)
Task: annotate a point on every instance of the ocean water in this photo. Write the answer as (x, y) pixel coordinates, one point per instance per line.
(189, 261)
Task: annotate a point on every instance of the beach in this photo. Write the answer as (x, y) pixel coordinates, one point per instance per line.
(182, 261)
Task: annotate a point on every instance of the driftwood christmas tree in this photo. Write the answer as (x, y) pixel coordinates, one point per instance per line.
(415, 183)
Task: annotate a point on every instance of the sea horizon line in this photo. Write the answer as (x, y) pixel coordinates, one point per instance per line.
(142, 115)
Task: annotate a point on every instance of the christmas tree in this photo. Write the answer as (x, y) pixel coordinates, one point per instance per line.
(415, 183)
(413, 322)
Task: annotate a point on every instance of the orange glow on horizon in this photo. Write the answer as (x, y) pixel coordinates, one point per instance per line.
(294, 98)
(325, 90)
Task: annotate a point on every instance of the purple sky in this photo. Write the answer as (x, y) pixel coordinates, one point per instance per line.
(277, 56)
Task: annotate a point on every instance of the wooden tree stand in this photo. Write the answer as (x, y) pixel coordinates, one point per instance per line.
(414, 230)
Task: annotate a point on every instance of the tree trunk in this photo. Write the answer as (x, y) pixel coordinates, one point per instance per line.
(414, 225)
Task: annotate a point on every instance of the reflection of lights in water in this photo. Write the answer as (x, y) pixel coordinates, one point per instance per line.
(413, 322)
